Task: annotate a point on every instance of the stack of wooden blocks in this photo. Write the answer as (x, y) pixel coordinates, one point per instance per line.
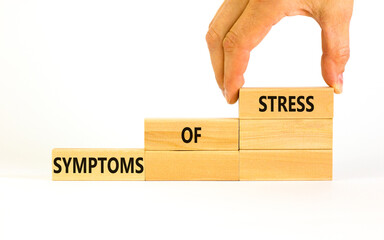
(281, 134)
(286, 134)
(192, 149)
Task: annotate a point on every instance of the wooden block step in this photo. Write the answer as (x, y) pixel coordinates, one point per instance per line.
(97, 164)
(191, 134)
(192, 165)
(285, 164)
(286, 103)
(286, 134)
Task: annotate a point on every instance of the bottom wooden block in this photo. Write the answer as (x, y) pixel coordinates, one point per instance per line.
(97, 164)
(286, 165)
(192, 165)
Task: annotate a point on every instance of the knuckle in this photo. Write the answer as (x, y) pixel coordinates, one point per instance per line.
(341, 55)
(213, 39)
(231, 41)
(344, 53)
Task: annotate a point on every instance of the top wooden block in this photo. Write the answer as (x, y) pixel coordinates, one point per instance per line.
(191, 134)
(256, 103)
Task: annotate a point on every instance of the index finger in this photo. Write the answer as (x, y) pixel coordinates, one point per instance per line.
(226, 16)
(246, 34)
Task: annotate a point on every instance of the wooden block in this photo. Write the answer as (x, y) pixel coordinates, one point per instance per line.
(286, 165)
(286, 103)
(97, 164)
(286, 134)
(192, 165)
(191, 134)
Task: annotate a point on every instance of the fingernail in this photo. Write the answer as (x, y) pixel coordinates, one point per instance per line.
(339, 84)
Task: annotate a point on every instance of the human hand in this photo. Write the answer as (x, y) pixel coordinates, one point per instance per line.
(240, 25)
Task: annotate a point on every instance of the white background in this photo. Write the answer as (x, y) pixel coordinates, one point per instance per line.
(82, 73)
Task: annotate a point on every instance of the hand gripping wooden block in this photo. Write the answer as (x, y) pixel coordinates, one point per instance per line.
(286, 165)
(286, 103)
(286, 134)
(97, 164)
(192, 165)
(191, 134)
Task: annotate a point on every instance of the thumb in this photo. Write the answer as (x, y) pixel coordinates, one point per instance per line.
(335, 44)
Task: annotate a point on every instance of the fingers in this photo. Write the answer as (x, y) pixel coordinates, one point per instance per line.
(240, 25)
(335, 44)
(224, 19)
(246, 34)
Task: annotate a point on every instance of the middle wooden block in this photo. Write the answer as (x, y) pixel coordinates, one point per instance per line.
(191, 134)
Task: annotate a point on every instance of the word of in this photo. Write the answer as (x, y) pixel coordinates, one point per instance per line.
(189, 130)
